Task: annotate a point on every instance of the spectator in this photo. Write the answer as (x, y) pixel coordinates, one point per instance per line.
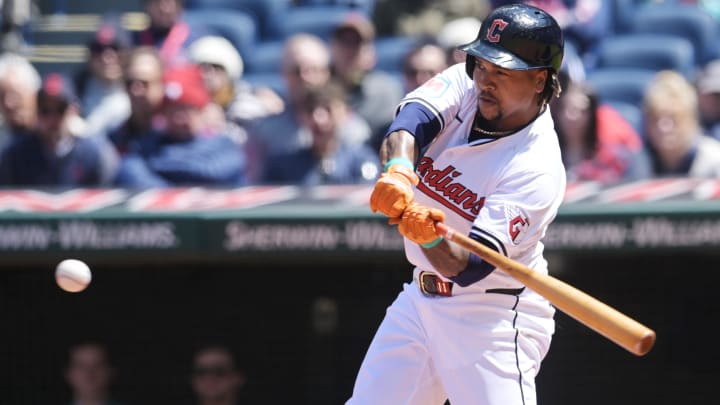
(216, 378)
(167, 31)
(183, 154)
(19, 84)
(144, 86)
(305, 63)
(423, 62)
(90, 375)
(327, 160)
(372, 93)
(676, 144)
(597, 143)
(458, 32)
(99, 85)
(708, 88)
(222, 68)
(53, 156)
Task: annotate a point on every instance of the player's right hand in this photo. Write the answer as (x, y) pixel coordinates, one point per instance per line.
(418, 223)
(393, 191)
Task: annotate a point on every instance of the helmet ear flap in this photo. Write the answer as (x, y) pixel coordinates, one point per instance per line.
(469, 65)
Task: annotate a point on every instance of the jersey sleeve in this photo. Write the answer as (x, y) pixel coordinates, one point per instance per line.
(443, 94)
(515, 217)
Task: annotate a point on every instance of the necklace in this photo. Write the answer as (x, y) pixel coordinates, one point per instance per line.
(494, 134)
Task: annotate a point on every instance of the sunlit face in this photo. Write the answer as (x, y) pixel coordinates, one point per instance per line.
(215, 77)
(105, 62)
(324, 119)
(144, 85)
(670, 130)
(163, 13)
(423, 65)
(18, 103)
(507, 98)
(573, 113)
(183, 121)
(306, 64)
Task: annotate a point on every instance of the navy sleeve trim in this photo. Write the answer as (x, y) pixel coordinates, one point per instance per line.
(482, 234)
(419, 120)
(477, 268)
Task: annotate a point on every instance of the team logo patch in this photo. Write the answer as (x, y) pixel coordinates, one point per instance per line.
(496, 28)
(518, 223)
(435, 87)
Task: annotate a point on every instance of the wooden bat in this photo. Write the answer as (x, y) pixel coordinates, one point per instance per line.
(598, 316)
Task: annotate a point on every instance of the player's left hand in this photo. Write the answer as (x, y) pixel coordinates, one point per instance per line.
(417, 223)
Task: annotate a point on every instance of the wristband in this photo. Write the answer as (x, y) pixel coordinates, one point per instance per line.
(399, 161)
(432, 243)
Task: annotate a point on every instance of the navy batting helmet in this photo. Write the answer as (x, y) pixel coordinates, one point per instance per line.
(517, 37)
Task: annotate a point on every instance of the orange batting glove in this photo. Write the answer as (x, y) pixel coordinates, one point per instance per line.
(393, 190)
(418, 224)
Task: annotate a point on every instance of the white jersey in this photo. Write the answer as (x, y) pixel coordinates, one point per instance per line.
(505, 191)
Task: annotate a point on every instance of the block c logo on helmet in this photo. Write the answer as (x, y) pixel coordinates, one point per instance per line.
(497, 27)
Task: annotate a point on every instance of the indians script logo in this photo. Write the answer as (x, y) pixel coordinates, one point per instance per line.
(440, 185)
(497, 26)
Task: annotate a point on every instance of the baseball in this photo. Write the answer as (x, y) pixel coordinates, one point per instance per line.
(72, 275)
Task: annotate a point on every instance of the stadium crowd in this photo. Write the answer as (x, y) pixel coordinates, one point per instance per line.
(174, 104)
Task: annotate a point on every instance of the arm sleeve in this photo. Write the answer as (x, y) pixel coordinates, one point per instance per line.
(417, 119)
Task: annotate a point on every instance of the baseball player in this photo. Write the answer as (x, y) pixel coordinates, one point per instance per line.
(474, 147)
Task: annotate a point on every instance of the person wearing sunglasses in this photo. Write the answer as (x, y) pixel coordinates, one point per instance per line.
(216, 378)
(53, 155)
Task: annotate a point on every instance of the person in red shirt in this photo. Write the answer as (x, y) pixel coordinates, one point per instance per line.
(597, 142)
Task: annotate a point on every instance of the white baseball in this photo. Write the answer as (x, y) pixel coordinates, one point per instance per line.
(72, 275)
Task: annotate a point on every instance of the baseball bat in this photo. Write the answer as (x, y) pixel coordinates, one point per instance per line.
(598, 316)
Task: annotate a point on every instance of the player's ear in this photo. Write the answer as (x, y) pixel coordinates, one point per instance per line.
(541, 76)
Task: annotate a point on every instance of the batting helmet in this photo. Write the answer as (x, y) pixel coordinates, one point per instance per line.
(517, 37)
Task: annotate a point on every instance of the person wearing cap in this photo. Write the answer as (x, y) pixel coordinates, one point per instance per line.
(372, 93)
(99, 84)
(325, 116)
(708, 89)
(53, 155)
(183, 153)
(222, 69)
(676, 145)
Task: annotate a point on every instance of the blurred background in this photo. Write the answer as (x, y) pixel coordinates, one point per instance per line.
(187, 152)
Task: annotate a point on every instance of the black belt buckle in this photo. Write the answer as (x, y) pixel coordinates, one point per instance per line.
(431, 284)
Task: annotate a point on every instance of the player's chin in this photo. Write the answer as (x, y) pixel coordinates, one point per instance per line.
(489, 111)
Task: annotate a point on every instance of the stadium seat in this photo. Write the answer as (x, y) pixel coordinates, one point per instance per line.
(391, 51)
(620, 84)
(266, 57)
(647, 51)
(317, 20)
(236, 26)
(684, 20)
(262, 10)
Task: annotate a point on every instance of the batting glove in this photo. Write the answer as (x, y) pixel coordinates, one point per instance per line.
(393, 190)
(418, 224)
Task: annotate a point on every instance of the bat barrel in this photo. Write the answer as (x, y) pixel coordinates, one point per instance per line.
(598, 316)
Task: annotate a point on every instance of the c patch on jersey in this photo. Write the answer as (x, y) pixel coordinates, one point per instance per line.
(518, 223)
(434, 88)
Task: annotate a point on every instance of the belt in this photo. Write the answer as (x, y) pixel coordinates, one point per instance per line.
(431, 284)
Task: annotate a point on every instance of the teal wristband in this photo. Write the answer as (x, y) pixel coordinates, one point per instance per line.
(399, 161)
(433, 243)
